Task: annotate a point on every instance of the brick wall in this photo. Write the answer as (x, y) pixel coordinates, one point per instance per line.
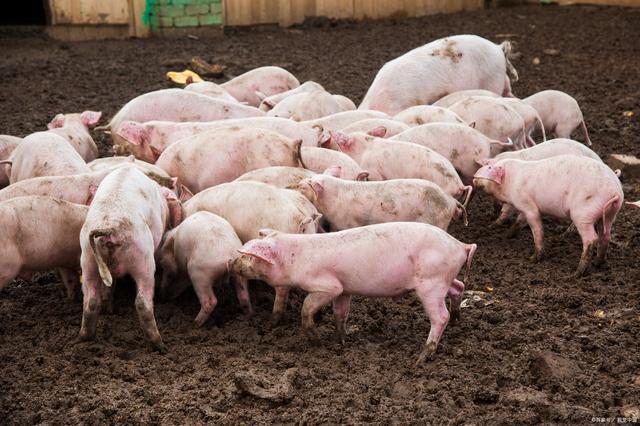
(160, 14)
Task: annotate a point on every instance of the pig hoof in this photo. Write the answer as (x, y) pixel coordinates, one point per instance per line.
(427, 353)
(82, 338)
(247, 315)
(160, 347)
(275, 319)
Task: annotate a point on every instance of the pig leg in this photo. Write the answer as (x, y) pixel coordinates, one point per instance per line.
(8, 271)
(535, 223)
(506, 212)
(516, 226)
(242, 292)
(91, 300)
(432, 295)
(589, 237)
(279, 304)
(203, 286)
(106, 297)
(455, 295)
(604, 238)
(71, 282)
(312, 304)
(143, 274)
(341, 306)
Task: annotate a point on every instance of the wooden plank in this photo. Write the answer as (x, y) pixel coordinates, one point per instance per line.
(137, 28)
(635, 3)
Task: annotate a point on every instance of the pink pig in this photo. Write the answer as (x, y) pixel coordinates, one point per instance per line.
(450, 99)
(494, 118)
(379, 127)
(343, 119)
(560, 113)
(148, 140)
(459, 143)
(307, 106)
(425, 114)
(334, 267)
(122, 231)
(45, 154)
(39, 234)
(270, 102)
(392, 159)
(427, 73)
(565, 187)
(280, 176)
(320, 159)
(200, 248)
(252, 86)
(7, 144)
(212, 158)
(346, 204)
(210, 89)
(75, 129)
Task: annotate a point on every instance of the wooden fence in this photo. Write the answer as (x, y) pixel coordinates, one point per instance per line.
(288, 12)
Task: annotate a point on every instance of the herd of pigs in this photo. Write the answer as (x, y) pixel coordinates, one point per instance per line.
(264, 178)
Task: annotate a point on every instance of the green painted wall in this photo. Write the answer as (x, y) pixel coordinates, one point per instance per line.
(182, 13)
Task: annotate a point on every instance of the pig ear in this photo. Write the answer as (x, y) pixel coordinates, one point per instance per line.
(317, 188)
(335, 171)
(498, 174)
(324, 137)
(185, 193)
(265, 232)
(378, 132)
(261, 96)
(133, 132)
(472, 124)
(267, 104)
(92, 192)
(175, 207)
(90, 118)
(58, 121)
(155, 152)
(260, 249)
(483, 162)
(363, 176)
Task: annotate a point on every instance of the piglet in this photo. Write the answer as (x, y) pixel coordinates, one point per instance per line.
(307, 106)
(39, 234)
(75, 129)
(200, 248)
(223, 155)
(45, 154)
(123, 229)
(581, 189)
(379, 127)
(252, 86)
(392, 159)
(346, 204)
(279, 176)
(452, 98)
(425, 114)
(320, 159)
(383, 260)
(560, 113)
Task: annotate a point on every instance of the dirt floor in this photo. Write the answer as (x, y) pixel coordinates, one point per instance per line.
(537, 352)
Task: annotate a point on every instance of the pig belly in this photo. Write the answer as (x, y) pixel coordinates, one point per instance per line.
(379, 278)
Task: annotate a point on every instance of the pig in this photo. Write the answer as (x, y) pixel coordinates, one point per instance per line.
(148, 140)
(452, 98)
(530, 117)
(151, 170)
(200, 247)
(425, 114)
(75, 129)
(211, 89)
(123, 229)
(382, 260)
(76, 189)
(176, 105)
(280, 176)
(306, 106)
(209, 159)
(38, 234)
(251, 206)
(44, 154)
(427, 73)
(345, 103)
(343, 119)
(252, 86)
(550, 148)
(380, 127)
(7, 144)
(559, 112)
(271, 101)
(493, 118)
(581, 189)
(393, 159)
(459, 143)
(320, 159)
(395, 200)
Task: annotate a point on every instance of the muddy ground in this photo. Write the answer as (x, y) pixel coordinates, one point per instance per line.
(537, 353)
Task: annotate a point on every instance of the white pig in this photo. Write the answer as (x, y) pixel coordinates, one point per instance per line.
(211, 89)
(450, 99)
(75, 129)
(306, 106)
(425, 114)
(380, 127)
(254, 85)
(280, 176)
(320, 159)
(271, 101)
